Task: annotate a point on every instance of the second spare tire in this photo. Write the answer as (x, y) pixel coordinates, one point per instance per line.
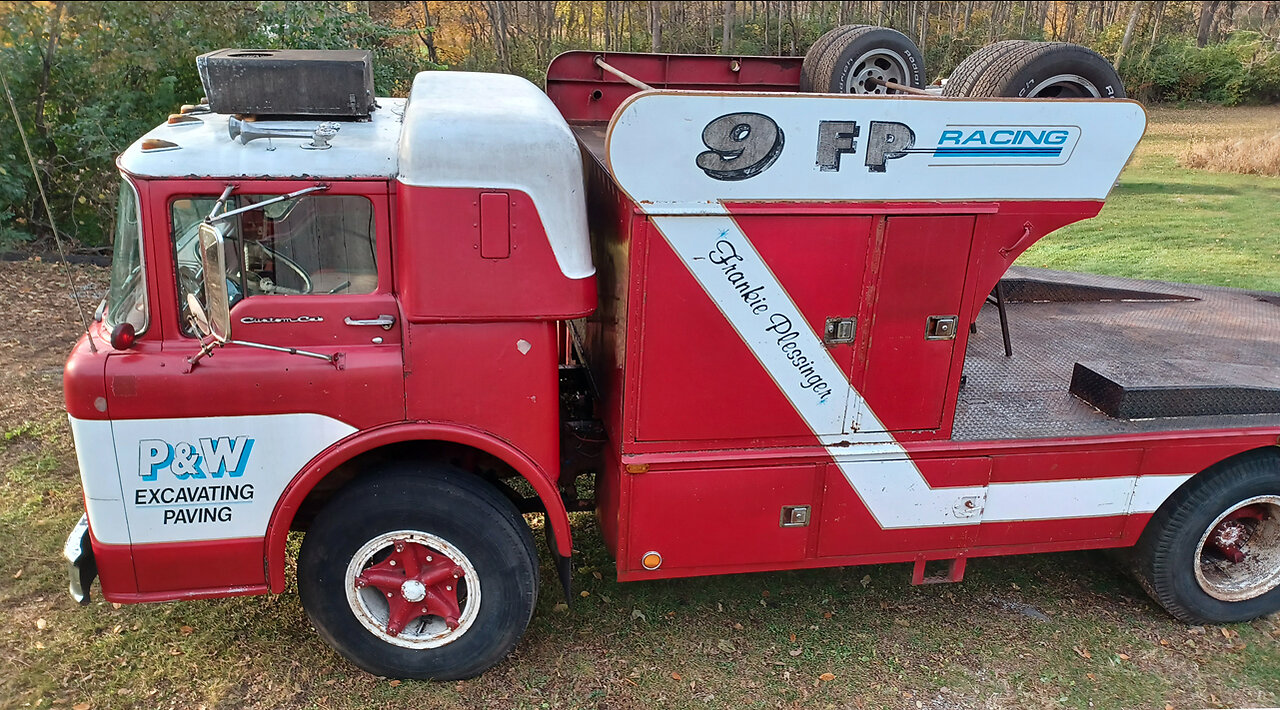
(1038, 70)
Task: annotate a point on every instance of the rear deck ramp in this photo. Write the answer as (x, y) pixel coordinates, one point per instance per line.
(1187, 357)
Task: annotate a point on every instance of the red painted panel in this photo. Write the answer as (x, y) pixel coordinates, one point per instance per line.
(922, 274)
(717, 517)
(443, 277)
(168, 567)
(848, 528)
(1063, 465)
(1032, 533)
(495, 225)
(697, 379)
(499, 378)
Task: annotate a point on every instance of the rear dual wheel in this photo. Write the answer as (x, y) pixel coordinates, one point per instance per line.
(1211, 554)
(419, 572)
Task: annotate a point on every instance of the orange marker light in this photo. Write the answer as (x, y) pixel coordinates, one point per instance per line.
(651, 560)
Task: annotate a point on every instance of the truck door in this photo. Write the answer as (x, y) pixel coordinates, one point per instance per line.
(205, 451)
(914, 323)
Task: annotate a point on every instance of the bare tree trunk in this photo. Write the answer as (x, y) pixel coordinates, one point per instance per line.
(498, 25)
(1207, 10)
(726, 32)
(46, 70)
(968, 14)
(1128, 33)
(655, 23)
(1158, 12)
(924, 26)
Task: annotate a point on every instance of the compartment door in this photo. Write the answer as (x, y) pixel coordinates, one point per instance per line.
(915, 324)
(734, 309)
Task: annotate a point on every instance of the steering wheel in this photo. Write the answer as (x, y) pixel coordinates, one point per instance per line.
(258, 256)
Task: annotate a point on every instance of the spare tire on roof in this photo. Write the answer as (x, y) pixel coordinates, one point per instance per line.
(847, 59)
(1024, 69)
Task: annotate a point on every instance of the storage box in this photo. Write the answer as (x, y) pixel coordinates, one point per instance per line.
(289, 82)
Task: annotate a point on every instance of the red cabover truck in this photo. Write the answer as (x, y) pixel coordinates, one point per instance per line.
(377, 320)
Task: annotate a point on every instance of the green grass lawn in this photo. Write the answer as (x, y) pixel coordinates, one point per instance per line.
(1170, 223)
(1043, 631)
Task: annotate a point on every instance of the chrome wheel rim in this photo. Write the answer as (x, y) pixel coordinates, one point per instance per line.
(426, 625)
(882, 64)
(1238, 557)
(1065, 86)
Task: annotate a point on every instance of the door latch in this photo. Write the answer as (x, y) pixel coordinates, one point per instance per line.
(840, 331)
(794, 516)
(941, 327)
(383, 321)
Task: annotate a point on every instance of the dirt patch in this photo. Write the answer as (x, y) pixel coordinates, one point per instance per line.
(40, 325)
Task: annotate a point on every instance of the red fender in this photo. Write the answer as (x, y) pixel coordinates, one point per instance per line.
(361, 442)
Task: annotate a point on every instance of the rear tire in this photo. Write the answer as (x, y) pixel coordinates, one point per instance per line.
(465, 555)
(1182, 561)
(844, 60)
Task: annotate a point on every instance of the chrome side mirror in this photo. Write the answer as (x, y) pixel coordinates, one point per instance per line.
(216, 316)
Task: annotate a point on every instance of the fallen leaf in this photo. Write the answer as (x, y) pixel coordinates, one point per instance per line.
(1164, 642)
(826, 615)
(186, 630)
(725, 645)
(637, 614)
(117, 629)
(793, 637)
(1167, 706)
(827, 677)
(866, 580)
(17, 574)
(41, 624)
(1090, 676)
(1122, 656)
(584, 594)
(597, 575)
(80, 706)
(1082, 652)
(795, 652)
(675, 676)
(394, 683)
(765, 593)
(561, 607)
(116, 605)
(737, 626)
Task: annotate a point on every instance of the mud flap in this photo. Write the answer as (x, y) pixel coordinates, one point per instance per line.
(564, 565)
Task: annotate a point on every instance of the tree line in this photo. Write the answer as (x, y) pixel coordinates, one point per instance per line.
(90, 77)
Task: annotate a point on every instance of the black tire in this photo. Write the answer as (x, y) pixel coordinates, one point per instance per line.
(845, 56)
(1048, 70)
(967, 73)
(455, 507)
(1165, 558)
(816, 51)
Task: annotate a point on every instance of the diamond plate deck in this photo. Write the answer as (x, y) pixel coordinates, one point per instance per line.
(1026, 396)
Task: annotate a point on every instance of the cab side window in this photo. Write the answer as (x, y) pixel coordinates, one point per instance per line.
(313, 244)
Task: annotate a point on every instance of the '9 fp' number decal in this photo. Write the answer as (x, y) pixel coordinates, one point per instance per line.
(742, 145)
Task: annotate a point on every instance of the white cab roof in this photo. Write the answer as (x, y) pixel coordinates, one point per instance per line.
(362, 149)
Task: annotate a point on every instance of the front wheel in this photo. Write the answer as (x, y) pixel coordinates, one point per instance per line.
(419, 573)
(1211, 554)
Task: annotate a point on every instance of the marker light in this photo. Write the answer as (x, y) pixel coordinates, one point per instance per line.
(651, 560)
(181, 119)
(123, 336)
(157, 145)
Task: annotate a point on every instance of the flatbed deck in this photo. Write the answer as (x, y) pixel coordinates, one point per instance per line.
(1156, 331)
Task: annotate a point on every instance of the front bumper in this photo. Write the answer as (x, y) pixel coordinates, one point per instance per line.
(81, 566)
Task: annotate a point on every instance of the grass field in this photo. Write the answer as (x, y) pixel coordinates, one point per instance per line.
(1167, 222)
(1061, 630)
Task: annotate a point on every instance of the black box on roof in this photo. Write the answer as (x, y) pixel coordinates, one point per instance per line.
(289, 82)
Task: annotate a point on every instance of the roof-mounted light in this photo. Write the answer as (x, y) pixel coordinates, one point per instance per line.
(158, 145)
(181, 119)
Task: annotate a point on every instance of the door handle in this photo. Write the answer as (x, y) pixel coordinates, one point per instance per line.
(383, 321)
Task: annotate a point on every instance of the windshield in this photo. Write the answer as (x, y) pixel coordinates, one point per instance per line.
(127, 299)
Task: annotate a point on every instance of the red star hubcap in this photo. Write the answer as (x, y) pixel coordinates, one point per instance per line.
(416, 581)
